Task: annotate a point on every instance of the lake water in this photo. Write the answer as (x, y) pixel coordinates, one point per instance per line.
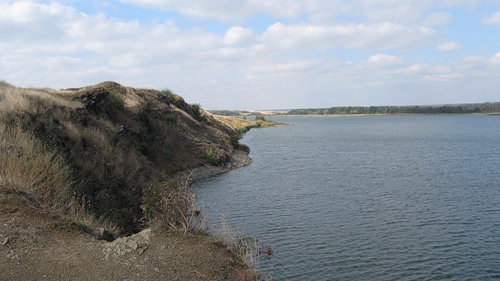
(369, 198)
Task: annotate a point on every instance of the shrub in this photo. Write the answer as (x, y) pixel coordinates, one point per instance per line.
(212, 156)
(237, 145)
(244, 147)
(260, 118)
(170, 207)
(196, 111)
(171, 117)
(173, 98)
(117, 100)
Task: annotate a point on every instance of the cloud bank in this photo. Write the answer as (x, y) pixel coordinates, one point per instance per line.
(256, 54)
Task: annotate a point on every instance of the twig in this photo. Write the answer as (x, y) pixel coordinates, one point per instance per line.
(188, 177)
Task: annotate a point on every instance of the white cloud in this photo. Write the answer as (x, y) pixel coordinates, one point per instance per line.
(24, 12)
(226, 10)
(383, 58)
(493, 19)
(382, 35)
(449, 46)
(238, 35)
(110, 48)
(496, 58)
(317, 11)
(438, 18)
(307, 59)
(443, 77)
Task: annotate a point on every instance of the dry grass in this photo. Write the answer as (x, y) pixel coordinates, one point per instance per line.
(27, 168)
(41, 177)
(236, 124)
(13, 99)
(248, 249)
(169, 206)
(91, 135)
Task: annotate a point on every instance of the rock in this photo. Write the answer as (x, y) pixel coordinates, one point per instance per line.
(125, 245)
(103, 234)
(5, 241)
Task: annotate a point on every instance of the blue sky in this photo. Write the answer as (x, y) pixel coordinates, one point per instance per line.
(274, 54)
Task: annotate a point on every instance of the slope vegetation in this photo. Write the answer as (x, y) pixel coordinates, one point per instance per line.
(102, 147)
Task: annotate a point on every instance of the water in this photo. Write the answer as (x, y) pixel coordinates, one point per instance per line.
(369, 198)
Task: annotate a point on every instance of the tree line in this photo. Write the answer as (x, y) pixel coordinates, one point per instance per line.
(431, 109)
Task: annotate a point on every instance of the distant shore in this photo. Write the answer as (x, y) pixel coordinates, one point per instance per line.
(376, 114)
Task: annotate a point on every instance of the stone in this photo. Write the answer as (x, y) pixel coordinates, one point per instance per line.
(124, 245)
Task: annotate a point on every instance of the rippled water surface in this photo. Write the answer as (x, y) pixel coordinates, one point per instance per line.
(369, 198)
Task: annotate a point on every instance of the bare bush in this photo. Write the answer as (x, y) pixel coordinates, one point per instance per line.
(247, 248)
(170, 206)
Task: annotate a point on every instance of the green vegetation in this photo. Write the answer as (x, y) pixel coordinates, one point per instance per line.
(229, 112)
(240, 146)
(389, 110)
(260, 118)
(196, 111)
(212, 156)
(117, 100)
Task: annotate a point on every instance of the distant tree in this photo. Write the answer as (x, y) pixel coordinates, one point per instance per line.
(260, 118)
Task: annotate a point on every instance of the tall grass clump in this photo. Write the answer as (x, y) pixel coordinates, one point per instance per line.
(247, 248)
(212, 156)
(27, 168)
(170, 207)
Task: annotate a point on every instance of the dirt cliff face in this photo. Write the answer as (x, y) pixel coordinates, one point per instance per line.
(119, 140)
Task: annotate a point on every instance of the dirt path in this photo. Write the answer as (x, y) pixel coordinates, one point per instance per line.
(35, 246)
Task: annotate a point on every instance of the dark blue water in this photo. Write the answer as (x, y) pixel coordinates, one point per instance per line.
(369, 198)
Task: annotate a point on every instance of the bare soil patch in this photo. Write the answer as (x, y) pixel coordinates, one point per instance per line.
(37, 246)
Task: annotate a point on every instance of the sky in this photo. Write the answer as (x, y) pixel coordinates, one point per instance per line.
(261, 54)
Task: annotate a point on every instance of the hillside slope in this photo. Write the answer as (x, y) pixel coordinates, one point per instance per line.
(114, 142)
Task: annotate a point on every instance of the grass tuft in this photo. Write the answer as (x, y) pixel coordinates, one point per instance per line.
(212, 156)
(169, 206)
(246, 248)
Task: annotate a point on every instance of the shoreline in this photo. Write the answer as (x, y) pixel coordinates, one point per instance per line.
(238, 160)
